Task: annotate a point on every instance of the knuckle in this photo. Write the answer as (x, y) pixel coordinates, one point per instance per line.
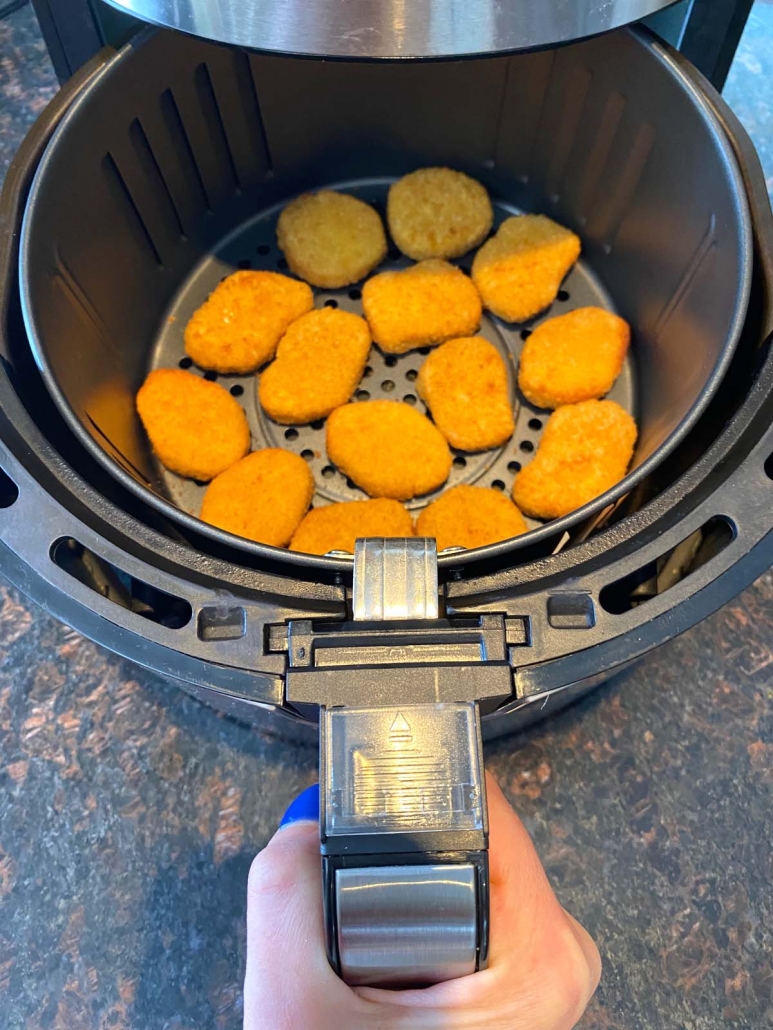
(270, 874)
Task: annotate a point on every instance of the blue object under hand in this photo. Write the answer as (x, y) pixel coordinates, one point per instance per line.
(304, 808)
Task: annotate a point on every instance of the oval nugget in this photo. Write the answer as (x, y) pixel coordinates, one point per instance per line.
(388, 449)
(195, 427)
(574, 357)
(464, 384)
(336, 527)
(470, 516)
(519, 271)
(586, 448)
(263, 497)
(331, 239)
(438, 213)
(420, 306)
(319, 361)
(239, 326)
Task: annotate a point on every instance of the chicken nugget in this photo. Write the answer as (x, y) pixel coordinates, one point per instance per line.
(585, 449)
(464, 384)
(519, 271)
(574, 357)
(196, 428)
(420, 306)
(238, 327)
(438, 213)
(388, 449)
(331, 239)
(337, 526)
(319, 361)
(263, 497)
(470, 516)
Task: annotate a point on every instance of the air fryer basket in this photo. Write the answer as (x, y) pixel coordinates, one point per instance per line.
(146, 197)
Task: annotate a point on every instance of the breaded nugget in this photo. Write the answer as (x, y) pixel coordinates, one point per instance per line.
(196, 428)
(263, 497)
(438, 213)
(464, 384)
(331, 239)
(470, 516)
(574, 357)
(238, 327)
(388, 449)
(319, 361)
(420, 306)
(337, 526)
(585, 450)
(519, 271)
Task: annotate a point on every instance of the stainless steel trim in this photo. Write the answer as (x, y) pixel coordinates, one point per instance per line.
(401, 925)
(395, 579)
(390, 29)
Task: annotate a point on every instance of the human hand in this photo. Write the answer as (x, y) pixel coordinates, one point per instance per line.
(543, 966)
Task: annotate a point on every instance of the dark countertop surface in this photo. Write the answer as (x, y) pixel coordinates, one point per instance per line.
(130, 813)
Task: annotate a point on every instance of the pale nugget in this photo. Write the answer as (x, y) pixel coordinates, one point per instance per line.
(238, 327)
(519, 271)
(438, 213)
(319, 362)
(388, 449)
(574, 357)
(586, 448)
(336, 526)
(470, 516)
(464, 384)
(263, 497)
(420, 306)
(331, 239)
(196, 428)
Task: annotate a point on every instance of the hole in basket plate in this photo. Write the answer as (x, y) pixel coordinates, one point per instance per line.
(318, 423)
(535, 424)
(410, 398)
(769, 467)
(525, 334)
(362, 395)
(307, 454)
(497, 484)
(367, 371)
(264, 249)
(185, 362)
(210, 376)
(237, 390)
(244, 264)
(355, 294)
(513, 466)
(387, 386)
(390, 361)
(118, 586)
(330, 303)
(291, 434)
(328, 472)
(411, 375)
(527, 446)
(282, 264)
(460, 462)
(563, 295)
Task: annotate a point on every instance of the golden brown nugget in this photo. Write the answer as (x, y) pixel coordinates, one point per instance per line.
(319, 361)
(420, 306)
(337, 526)
(519, 271)
(464, 384)
(470, 516)
(263, 497)
(238, 327)
(438, 213)
(388, 449)
(585, 449)
(331, 239)
(195, 427)
(574, 357)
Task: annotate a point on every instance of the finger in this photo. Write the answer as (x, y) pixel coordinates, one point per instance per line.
(288, 982)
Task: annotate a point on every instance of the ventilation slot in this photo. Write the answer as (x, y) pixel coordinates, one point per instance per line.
(658, 576)
(214, 120)
(125, 201)
(769, 467)
(118, 586)
(9, 491)
(153, 174)
(174, 124)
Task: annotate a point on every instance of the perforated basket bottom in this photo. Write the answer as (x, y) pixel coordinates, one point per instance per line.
(386, 376)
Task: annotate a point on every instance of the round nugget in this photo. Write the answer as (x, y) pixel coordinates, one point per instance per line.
(574, 357)
(519, 271)
(586, 448)
(438, 213)
(238, 327)
(263, 497)
(196, 428)
(319, 361)
(420, 306)
(388, 449)
(331, 239)
(470, 516)
(336, 527)
(464, 384)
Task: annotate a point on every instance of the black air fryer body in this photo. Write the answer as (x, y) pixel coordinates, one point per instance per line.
(618, 137)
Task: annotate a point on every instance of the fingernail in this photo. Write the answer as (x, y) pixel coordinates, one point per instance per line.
(305, 807)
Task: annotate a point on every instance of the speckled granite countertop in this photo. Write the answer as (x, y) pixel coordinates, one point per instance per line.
(129, 813)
